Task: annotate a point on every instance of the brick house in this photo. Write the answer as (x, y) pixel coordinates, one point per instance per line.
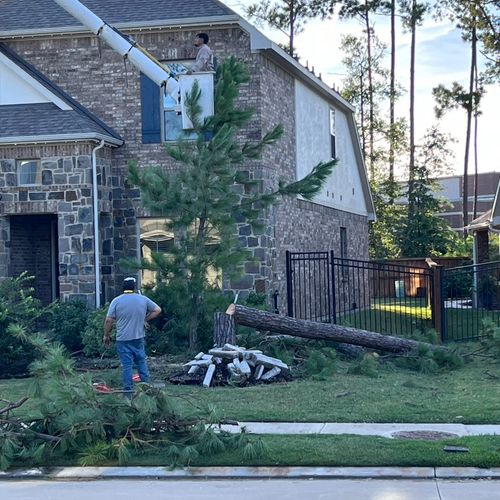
(72, 115)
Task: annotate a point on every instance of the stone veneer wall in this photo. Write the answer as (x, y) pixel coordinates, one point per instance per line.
(66, 191)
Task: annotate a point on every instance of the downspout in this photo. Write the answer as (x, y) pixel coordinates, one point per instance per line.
(97, 252)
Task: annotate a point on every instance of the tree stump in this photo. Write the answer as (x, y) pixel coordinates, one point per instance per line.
(223, 329)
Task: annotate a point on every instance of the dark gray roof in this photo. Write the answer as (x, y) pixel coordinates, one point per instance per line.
(46, 118)
(19, 15)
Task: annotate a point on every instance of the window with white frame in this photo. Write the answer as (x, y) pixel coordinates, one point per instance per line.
(156, 237)
(29, 172)
(333, 145)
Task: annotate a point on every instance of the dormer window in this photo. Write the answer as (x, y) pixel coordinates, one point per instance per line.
(29, 173)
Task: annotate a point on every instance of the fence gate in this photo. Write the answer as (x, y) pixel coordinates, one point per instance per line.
(385, 298)
(309, 286)
(471, 301)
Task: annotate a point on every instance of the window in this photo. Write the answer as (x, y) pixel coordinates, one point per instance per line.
(343, 243)
(155, 237)
(29, 172)
(333, 146)
(161, 115)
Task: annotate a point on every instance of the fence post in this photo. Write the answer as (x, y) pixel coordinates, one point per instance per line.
(332, 284)
(436, 299)
(289, 288)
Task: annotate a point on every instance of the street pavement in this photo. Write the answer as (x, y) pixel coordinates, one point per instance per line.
(268, 489)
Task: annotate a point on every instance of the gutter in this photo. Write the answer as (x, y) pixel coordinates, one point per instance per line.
(146, 25)
(48, 139)
(97, 251)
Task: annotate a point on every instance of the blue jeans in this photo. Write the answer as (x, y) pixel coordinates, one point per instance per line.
(132, 352)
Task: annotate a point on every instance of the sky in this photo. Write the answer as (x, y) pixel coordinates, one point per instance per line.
(441, 58)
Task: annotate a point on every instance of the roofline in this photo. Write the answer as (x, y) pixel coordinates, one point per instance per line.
(54, 89)
(35, 139)
(260, 43)
(160, 23)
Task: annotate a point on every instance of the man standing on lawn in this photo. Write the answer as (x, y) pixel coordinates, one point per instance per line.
(131, 311)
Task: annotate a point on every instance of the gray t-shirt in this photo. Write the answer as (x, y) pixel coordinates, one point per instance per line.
(129, 310)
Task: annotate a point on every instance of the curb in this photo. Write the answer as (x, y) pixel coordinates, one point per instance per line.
(164, 473)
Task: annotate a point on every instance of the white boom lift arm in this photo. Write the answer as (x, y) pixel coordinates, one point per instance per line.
(138, 56)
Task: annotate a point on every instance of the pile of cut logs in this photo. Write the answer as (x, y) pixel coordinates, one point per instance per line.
(231, 364)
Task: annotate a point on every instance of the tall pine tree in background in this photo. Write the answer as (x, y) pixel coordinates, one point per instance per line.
(210, 193)
(423, 233)
(289, 16)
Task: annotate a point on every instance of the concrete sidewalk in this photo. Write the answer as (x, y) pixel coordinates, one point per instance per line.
(234, 472)
(384, 430)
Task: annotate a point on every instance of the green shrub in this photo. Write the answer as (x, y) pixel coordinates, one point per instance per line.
(67, 321)
(17, 308)
(320, 363)
(93, 333)
(368, 366)
(170, 331)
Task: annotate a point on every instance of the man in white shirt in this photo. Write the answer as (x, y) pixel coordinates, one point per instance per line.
(204, 58)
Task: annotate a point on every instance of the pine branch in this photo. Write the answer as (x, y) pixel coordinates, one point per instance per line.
(311, 184)
(12, 406)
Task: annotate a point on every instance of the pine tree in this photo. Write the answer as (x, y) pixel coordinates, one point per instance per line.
(210, 193)
(424, 233)
(289, 16)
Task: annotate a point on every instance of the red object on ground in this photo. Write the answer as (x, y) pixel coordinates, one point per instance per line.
(136, 378)
(102, 388)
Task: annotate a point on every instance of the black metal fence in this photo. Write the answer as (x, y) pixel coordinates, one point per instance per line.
(470, 301)
(461, 303)
(385, 298)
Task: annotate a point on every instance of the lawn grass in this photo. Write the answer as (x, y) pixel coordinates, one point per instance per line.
(468, 395)
(407, 317)
(336, 451)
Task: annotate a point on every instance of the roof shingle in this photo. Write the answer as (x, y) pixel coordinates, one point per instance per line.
(16, 16)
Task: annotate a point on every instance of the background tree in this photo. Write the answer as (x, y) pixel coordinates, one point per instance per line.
(424, 233)
(476, 19)
(362, 10)
(289, 16)
(413, 14)
(210, 194)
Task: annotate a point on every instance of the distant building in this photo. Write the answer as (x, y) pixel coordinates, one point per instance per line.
(450, 189)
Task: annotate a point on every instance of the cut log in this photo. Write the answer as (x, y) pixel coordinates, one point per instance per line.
(193, 370)
(199, 355)
(231, 347)
(267, 361)
(245, 368)
(199, 362)
(224, 354)
(223, 329)
(271, 373)
(208, 376)
(266, 321)
(259, 371)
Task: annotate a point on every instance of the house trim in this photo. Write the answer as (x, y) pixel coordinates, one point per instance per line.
(46, 139)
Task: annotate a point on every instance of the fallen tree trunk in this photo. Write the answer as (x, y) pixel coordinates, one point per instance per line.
(264, 320)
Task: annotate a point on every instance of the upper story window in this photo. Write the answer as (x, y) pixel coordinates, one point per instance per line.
(162, 120)
(333, 145)
(29, 172)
